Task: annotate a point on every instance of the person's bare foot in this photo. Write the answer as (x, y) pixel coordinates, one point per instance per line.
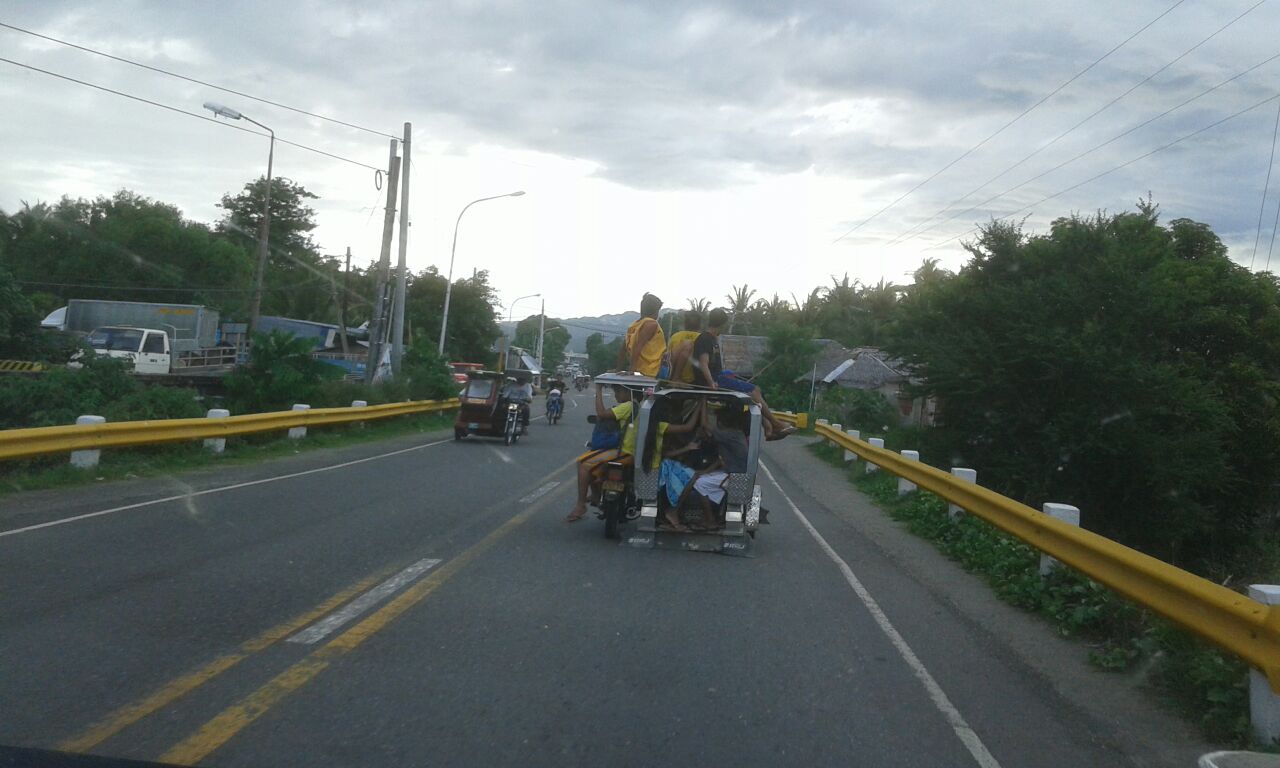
(579, 511)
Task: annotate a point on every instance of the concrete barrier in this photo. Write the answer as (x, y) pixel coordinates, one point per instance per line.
(216, 444)
(297, 433)
(905, 486)
(1067, 514)
(969, 476)
(87, 459)
(874, 442)
(855, 434)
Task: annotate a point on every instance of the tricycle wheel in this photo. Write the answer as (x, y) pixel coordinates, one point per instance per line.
(611, 523)
(458, 434)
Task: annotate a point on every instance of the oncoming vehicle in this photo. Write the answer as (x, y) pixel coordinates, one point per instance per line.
(462, 371)
(479, 411)
(724, 521)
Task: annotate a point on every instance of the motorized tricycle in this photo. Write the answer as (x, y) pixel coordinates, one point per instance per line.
(483, 411)
(727, 517)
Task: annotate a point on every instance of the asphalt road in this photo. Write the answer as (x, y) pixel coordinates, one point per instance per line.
(420, 602)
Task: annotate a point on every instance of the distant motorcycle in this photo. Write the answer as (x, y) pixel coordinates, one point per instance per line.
(555, 408)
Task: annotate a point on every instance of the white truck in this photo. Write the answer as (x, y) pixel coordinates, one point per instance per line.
(152, 354)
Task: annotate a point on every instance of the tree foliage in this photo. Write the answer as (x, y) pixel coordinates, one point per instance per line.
(472, 325)
(280, 372)
(602, 356)
(1123, 366)
(555, 340)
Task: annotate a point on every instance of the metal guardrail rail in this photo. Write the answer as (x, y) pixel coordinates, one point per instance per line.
(801, 420)
(1226, 618)
(38, 441)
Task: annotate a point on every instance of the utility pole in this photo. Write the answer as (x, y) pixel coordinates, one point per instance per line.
(542, 329)
(397, 323)
(378, 324)
(342, 312)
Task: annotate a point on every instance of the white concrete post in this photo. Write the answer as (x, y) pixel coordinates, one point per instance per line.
(360, 404)
(297, 433)
(875, 442)
(216, 444)
(1264, 704)
(855, 434)
(905, 486)
(823, 422)
(1067, 514)
(838, 428)
(967, 475)
(87, 459)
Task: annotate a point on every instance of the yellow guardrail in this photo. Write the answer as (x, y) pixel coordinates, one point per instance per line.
(801, 420)
(37, 441)
(1222, 616)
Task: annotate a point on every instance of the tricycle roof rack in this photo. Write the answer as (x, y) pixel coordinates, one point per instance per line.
(628, 380)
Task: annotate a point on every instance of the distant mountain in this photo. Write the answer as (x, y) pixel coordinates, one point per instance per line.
(609, 326)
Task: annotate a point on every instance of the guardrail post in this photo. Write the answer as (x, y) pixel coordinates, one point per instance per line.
(359, 404)
(855, 434)
(967, 475)
(1067, 514)
(1264, 704)
(905, 486)
(216, 444)
(876, 442)
(838, 428)
(297, 433)
(87, 459)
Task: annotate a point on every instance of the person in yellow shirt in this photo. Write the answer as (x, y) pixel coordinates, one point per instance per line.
(681, 348)
(645, 343)
(621, 416)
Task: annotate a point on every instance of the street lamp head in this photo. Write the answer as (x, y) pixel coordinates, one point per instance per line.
(516, 194)
(222, 111)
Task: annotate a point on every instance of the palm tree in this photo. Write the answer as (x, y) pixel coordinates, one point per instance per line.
(739, 302)
(929, 274)
(701, 306)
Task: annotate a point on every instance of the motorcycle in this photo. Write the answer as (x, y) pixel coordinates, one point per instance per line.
(513, 429)
(555, 409)
(617, 499)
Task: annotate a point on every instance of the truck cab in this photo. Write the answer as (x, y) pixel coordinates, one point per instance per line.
(147, 348)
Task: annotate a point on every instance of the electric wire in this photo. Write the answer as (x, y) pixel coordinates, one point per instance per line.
(1266, 186)
(139, 64)
(1007, 125)
(919, 229)
(1106, 143)
(181, 111)
(1109, 171)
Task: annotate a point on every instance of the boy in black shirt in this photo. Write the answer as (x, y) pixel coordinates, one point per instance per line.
(711, 372)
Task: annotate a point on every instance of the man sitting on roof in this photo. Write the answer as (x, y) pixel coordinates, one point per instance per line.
(711, 372)
(645, 345)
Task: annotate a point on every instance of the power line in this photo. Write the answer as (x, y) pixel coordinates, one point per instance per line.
(1125, 164)
(908, 235)
(1004, 127)
(1265, 186)
(1108, 142)
(139, 64)
(185, 112)
(1274, 225)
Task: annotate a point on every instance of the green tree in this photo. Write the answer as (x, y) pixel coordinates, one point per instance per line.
(125, 247)
(18, 320)
(739, 304)
(555, 340)
(790, 356)
(300, 282)
(602, 356)
(428, 373)
(473, 326)
(1125, 367)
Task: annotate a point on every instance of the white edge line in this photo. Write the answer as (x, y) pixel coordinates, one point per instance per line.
(324, 627)
(963, 731)
(219, 489)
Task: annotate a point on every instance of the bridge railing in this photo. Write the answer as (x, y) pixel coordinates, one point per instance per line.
(38, 441)
(1245, 627)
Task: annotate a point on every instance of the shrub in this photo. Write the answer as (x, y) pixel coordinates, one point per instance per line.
(280, 372)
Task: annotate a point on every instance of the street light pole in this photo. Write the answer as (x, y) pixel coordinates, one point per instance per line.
(264, 227)
(448, 286)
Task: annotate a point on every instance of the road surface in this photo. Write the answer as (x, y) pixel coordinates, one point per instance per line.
(420, 602)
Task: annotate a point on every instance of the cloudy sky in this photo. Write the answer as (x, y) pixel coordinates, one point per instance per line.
(674, 147)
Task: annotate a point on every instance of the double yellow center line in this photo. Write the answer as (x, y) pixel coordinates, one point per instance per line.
(235, 718)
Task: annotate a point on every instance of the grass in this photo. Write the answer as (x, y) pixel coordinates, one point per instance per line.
(127, 463)
(1201, 682)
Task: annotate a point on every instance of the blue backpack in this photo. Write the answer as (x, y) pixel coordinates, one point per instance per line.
(607, 434)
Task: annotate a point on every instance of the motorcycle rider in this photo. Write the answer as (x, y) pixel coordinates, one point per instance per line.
(555, 399)
(519, 390)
